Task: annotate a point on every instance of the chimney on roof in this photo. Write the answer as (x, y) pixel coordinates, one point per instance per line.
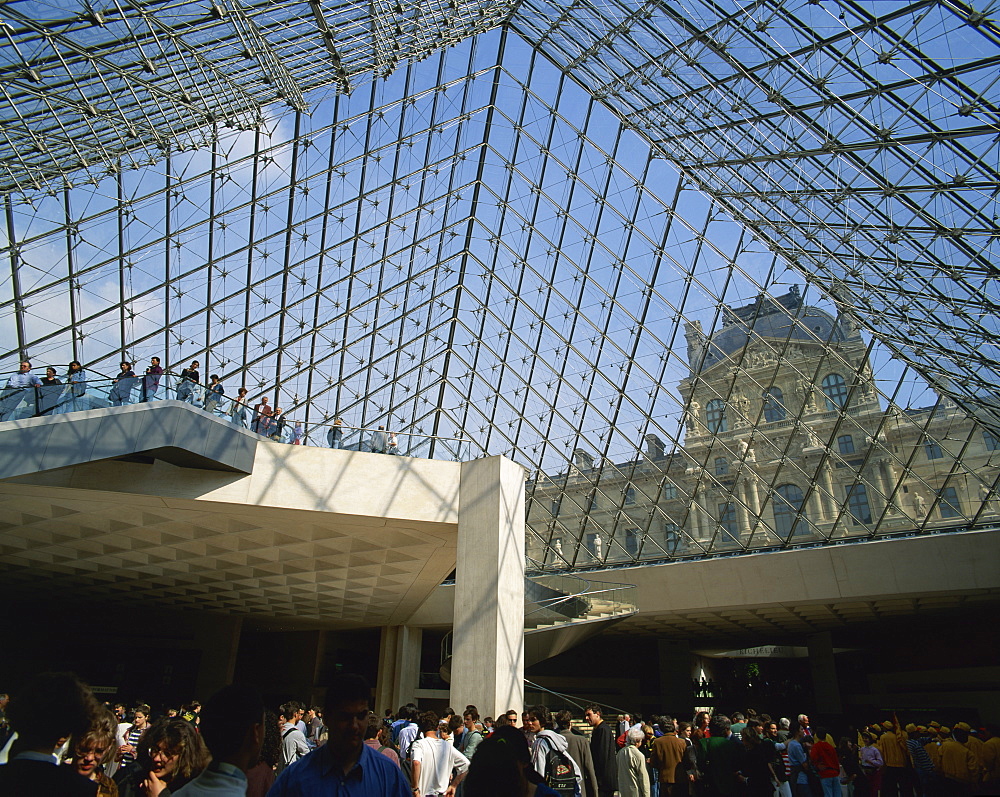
(654, 446)
(582, 460)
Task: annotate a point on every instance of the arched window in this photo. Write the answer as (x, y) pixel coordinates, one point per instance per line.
(774, 408)
(715, 414)
(835, 389)
(786, 504)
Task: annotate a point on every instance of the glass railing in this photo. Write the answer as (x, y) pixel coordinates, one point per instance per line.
(25, 396)
(555, 599)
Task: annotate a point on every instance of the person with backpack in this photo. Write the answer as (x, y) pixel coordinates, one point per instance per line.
(293, 741)
(550, 754)
(473, 735)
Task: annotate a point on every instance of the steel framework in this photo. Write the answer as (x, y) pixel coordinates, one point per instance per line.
(494, 219)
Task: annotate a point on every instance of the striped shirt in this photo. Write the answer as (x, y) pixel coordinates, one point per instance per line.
(132, 737)
(919, 755)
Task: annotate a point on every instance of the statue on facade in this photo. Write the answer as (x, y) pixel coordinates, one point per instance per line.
(742, 406)
(988, 497)
(805, 389)
(598, 547)
(919, 506)
(691, 416)
(557, 546)
(812, 439)
(746, 453)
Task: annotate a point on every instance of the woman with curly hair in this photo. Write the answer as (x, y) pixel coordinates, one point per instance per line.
(261, 777)
(90, 752)
(170, 754)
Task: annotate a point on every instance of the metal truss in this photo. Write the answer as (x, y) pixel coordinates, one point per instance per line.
(533, 226)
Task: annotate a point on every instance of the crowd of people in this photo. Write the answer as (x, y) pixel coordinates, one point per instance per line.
(51, 395)
(63, 742)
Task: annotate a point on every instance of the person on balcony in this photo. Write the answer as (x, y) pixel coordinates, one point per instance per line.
(50, 393)
(190, 377)
(336, 433)
(238, 412)
(261, 417)
(214, 393)
(122, 384)
(76, 378)
(276, 429)
(151, 379)
(17, 390)
(378, 441)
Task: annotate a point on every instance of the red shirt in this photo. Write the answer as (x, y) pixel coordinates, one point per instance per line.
(824, 756)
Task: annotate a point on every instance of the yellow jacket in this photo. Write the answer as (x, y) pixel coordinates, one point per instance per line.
(934, 751)
(976, 746)
(958, 762)
(991, 758)
(892, 749)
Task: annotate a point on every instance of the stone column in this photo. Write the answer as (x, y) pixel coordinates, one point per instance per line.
(753, 498)
(487, 667)
(887, 476)
(742, 518)
(826, 689)
(398, 666)
(826, 478)
(676, 673)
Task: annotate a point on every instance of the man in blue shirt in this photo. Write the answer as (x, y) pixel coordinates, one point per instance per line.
(345, 766)
(17, 390)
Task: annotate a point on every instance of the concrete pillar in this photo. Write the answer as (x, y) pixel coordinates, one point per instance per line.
(826, 688)
(676, 672)
(489, 588)
(219, 639)
(398, 666)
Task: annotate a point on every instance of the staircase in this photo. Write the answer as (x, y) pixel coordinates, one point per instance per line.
(560, 612)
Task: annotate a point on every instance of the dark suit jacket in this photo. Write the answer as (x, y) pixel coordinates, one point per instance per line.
(26, 778)
(579, 751)
(604, 750)
(719, 759)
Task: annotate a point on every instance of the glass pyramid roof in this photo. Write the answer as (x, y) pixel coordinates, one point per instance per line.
(512, 221)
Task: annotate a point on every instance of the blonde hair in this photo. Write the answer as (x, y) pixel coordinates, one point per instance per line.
(101, 734)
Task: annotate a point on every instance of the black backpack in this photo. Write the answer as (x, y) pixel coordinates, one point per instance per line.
(560, 774)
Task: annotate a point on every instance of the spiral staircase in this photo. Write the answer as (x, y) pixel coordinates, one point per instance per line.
(560, 612)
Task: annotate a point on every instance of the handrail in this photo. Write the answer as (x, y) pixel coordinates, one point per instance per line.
(225, 399)
(586, 591)
(569, 698)
(93, 393)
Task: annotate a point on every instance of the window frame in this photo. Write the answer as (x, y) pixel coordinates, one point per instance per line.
(835, 390)
(789, 513)
(728, 522)
(947, 497)
(857, 496)
(774, 405)
(715, 416)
